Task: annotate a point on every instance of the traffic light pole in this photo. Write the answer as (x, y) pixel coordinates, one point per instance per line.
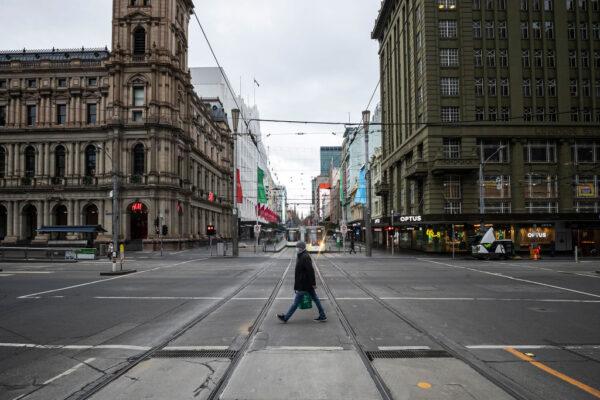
(235, 251)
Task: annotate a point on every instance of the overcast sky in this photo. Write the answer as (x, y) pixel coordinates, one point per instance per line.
(314, 60)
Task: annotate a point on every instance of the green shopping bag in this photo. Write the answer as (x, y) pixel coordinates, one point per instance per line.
(306, 302)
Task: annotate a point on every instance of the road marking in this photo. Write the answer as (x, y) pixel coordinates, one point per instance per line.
(581, 273)
(30, 272)
(69, 371)
(588, 389)
(532, 347)
(488, 299)
(354, 298)
(75, 346)
(305, 348)
(155, 298)
(195, 348)
(512, 278)
(109, 279)
(5, 275)
(250, 298)
(396, 348)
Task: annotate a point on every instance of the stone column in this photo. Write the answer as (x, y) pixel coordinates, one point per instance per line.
(10, 156)
(47, 159)
(9, 219)
(71, 213)
(46, 213)
(16, 220)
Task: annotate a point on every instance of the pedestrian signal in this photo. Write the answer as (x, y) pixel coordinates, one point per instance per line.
(210, 230)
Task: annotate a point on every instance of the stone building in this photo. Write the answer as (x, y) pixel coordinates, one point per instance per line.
(70, 119)
(511, 86)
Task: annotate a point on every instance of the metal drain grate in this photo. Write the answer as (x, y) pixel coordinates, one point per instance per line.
(408, 354)
(195, 354)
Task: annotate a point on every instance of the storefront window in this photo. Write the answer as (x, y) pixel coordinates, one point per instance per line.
(542, 235)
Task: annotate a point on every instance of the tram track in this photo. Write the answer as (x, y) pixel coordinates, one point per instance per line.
(97, 386)
(452, 348)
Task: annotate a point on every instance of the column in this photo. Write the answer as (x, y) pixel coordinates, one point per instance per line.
(47, 159)
(71, 206)
(16, 219)
(10, 156)
(102, 159)
(40, 219)
(565, 177)
(517, 176)
(39, 160)
(46, 213)
(9, 219)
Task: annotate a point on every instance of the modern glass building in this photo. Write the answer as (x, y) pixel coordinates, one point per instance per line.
(330, 156)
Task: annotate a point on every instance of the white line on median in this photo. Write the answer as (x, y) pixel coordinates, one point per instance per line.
(29, 296)
(393, 348)
(488, 299)
(305, 348)
(75, 346)
(511, 277)
(531, 347)
(195, 348)
(69, 371)
(154, 298)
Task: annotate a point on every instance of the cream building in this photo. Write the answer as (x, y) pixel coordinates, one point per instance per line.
(69, 119)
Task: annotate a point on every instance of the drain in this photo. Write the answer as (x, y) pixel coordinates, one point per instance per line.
(195, 354)
(408, 354)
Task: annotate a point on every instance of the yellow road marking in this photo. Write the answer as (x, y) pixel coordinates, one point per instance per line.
(553, 372)
(424, 385)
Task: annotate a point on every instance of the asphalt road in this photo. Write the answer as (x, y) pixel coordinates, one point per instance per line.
(448, 329)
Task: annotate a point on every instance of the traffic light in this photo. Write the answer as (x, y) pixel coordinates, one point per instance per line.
(165, 230)
(210, 230)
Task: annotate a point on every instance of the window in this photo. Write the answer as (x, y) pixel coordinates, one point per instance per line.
(496, 187)
(61, 114)
(552, 87)
(446, 4)
(551, 59)
(138, 96)
(585, 152)
(92, 81)
(598, 88)
(450, 114)
(91, 114)
(478, 57)
(552, 116)
(3, 84)
(448, 29)
(476, 4)
(583, 5)
(586, 115)
(539, 87)
(491, 87)
(449, 57)
(536, 5)
(419, 68)
(596, 5)
(139, 159)
(139, 41)
(62, 82)
(524, 5)
(571, 31)
(541, 186)
(549, 29)
(573, 58)
(90, 160)
(29, 162)
(452, 194)
(538, 58)
(583, 30)
(489, 29)
(527, 114)
(2, 162)
(570, 5)
(489, 4)
(540, 151)
(502, 32)
(537, 29)
(31, 83)
(501, 4)
(586, 89)
(541, 207)
(31, 115)
(449, 86)
(137, 116)
(477, 29)
(59, 161)
(573, 87)
(525, 58)
(453, 207)
(451, 148)
(478, 86)
(505, 114)
(503, 58)
(2, 115)
(493, 151)
(548, 5)
(596, 29)
(504, 87)
(585, 59)
(540, 114)
(574, 114)
(491, 58)
(479, 114)
(526, 87)
(597, 59)
(492, 114)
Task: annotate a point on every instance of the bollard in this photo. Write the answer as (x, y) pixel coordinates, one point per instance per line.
(114, 261)
(576, 254)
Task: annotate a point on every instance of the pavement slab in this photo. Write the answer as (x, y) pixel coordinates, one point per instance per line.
(274, 374)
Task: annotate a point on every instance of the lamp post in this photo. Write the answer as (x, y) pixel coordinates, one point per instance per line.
(235, 116)
(366, 115)
(481, 187)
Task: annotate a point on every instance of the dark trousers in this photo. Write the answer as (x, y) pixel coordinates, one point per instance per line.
(298, 299)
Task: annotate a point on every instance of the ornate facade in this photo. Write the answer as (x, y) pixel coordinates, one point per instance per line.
(70, 119)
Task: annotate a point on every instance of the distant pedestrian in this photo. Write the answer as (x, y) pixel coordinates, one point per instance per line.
(352, 249)
(304, 283)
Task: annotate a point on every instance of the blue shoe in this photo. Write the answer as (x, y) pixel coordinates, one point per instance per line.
(320, 319)
(282, 318)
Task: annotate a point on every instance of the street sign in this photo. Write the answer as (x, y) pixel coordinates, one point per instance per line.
(257, 229)
(344, 229)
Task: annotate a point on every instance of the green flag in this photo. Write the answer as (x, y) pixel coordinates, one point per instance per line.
(341, 188)
(261, 196)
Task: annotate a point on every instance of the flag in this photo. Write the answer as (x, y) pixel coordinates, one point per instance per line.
(261, 195)
(239, 193)
(361, 193)
(341, 188)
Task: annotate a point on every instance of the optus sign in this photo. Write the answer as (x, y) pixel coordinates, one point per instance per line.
(411, 218)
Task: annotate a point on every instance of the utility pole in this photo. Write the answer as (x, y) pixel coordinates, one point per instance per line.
(235, 115)
(368, 233)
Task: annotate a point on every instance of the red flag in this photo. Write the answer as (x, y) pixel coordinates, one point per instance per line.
(239, 193)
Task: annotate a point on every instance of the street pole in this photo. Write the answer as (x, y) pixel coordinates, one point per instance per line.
(368, 234)
(235, 114)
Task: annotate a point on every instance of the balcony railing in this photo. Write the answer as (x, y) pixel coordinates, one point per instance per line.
(442, 166)
(418, 169)
(382, 188)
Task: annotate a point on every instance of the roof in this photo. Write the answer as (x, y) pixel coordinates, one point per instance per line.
(384, 13)
(54, 54)
(72, 229)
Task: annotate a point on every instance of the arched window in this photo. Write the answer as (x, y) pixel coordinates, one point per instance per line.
(90, 160)
(139, 159)
(29, 162)
(90, 214)
(2, 162)
(59, 161)
(139, 41)
(60, 215)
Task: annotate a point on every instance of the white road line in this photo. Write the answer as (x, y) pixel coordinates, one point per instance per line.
(30, 272)
(75, 346)
(393, 348)
(489, 299)
(549, 269)
(250, 298)
(531, 346)
(5, 275)
(69, 371)
(305, 348)
(195, 348)
(354, 298)
(155, 298)
(108, 279)
(512, 278)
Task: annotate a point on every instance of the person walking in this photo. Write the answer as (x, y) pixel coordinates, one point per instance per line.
(304, 283)
(352, 249)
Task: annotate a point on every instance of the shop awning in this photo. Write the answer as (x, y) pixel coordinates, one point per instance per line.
(72, 229)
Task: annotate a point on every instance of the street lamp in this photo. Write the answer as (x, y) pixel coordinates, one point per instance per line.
(481, 186)
(235, 117)
(366, 115)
